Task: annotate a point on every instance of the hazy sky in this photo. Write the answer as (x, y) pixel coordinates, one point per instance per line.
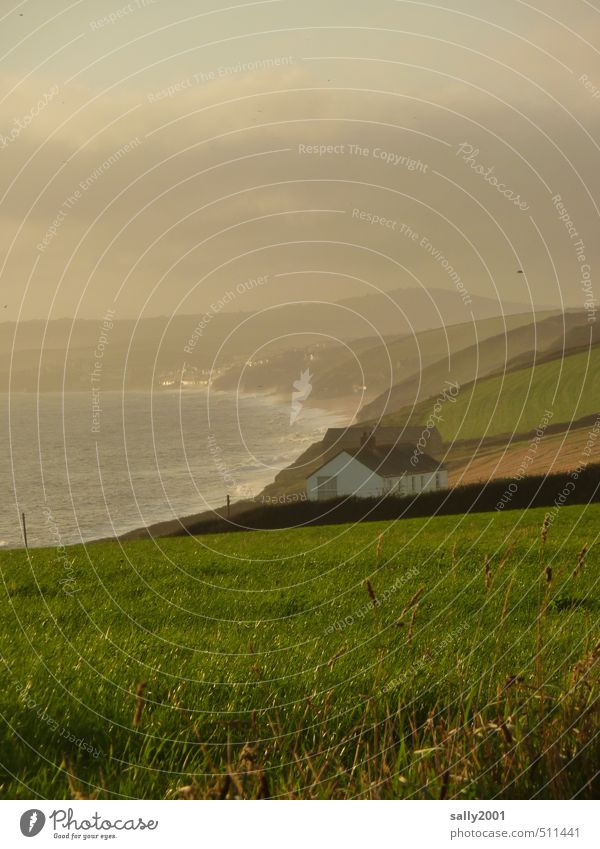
(156, 154)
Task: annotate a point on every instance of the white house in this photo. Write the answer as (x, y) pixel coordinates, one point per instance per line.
(371, 471)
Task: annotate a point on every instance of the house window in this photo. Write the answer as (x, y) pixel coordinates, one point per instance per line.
(326, 488)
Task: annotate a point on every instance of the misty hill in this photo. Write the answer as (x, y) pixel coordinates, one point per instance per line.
(274, 371)
(413, 355)
(368, 367)
(516, 402)
(519, 347)
(139, 354)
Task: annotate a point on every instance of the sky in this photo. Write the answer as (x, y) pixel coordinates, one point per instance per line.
(159, 155)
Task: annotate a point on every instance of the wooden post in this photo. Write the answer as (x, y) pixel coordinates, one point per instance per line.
(24, 529)
(228, 506)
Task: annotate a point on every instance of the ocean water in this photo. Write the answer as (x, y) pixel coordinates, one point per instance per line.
(81, 473)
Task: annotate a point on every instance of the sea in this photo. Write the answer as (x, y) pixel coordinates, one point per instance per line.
(82, 467)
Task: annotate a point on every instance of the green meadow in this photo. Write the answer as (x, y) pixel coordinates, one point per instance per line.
(516, 402)
(452, 657)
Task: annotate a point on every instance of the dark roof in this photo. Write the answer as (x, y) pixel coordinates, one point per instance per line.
(390, 462)
(393, 462)
(351, 436)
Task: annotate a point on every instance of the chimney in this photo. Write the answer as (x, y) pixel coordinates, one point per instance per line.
(367, 440)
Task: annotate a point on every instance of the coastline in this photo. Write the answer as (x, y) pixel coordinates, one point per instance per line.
(337, 413)
(159, 479)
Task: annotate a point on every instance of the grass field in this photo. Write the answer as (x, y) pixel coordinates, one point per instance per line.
(517, 401)
(448, 658)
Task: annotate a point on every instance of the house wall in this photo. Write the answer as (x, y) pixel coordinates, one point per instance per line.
(352, 478)
(355, 479)
(427, 482)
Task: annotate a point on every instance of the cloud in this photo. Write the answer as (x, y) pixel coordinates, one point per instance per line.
(215, 145)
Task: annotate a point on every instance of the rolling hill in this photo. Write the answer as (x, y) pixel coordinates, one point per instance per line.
(516, 402)
(343, 369)
(561, 449)
(469, 359)
(137, 353)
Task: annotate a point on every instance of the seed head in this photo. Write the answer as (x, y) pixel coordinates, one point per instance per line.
(545, 527)
(371, 592)
(488, 573)
(580, 560)
(139, 703)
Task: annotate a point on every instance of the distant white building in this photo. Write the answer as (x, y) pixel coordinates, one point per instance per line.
(372, 471)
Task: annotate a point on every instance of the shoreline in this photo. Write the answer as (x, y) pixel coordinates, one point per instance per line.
(344, 411)
(310, 428)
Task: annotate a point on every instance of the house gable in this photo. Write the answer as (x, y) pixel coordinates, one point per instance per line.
(373, 471)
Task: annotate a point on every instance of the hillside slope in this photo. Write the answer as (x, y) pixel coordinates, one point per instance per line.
(371, 365)
(390, 363)
(517, 401)
(556, 452)
(517, 347)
